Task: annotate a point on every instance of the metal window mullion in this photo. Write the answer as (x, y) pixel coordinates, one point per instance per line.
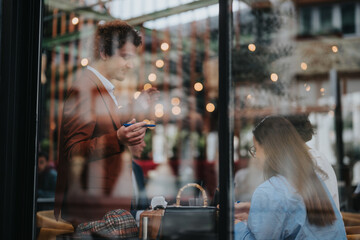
(225, 106)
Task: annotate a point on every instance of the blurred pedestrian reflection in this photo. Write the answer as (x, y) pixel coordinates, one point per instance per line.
(46, 177)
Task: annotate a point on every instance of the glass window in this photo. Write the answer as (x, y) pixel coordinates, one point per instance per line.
(348, 18)
(326, 19)
(292, 100)
(102, 80)
(305, 20)
(129, 115)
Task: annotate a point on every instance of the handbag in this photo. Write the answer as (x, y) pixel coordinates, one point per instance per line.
(189, 222)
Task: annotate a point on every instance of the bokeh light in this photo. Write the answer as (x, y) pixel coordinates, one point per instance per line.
(175, 101)
(176, 110)
(274, 77)
(159, 63)
(334, 49)
(84, 62)
(252, 47)
(164, 46)
(147, 86)
(303, 66)
(75, 20)
(152, 77)
(198, 87)
(210, 107)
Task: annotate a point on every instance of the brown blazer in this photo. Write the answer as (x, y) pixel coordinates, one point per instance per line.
(89, 154)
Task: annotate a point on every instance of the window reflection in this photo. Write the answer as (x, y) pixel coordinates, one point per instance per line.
(282, 55)
(178, 56)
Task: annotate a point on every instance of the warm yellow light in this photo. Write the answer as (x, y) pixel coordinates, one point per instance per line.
(84, 62)
(334, 49)
(274, 77)
(322, 89)
(175, 101)
(176, 110)
(152, 77)
(75, 20)
(159, 113)
(198, 87)
(164, 46)
(252, 47)
(303, 66)
(249, 96)
(137, 94)
(159, 106)
(210, 107)
(147, 86)
(159, 63)
(52, 125)
(307, 88)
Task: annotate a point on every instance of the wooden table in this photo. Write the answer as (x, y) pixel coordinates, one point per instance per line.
(154, 221)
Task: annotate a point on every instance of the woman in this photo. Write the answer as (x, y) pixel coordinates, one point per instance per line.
(292, 203)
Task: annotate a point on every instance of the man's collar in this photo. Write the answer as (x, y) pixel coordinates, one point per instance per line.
(107, 84)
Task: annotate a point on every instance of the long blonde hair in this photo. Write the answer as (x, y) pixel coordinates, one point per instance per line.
(287, 155)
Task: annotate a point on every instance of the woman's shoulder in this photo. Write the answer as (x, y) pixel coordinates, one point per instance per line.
(276, 187)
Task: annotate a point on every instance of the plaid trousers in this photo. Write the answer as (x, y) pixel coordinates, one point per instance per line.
(115, 224)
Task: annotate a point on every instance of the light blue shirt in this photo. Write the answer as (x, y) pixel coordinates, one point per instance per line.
(278, 212)
(107, 84)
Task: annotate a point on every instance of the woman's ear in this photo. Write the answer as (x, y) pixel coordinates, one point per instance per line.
(103, 56)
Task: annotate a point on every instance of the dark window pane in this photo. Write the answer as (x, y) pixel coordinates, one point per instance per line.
(305, 20)
(325, 19)
(348, 18)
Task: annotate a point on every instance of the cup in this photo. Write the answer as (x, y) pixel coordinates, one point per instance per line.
(158, 201)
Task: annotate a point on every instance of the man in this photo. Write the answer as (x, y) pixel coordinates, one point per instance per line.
(305, 129)
(91, 157)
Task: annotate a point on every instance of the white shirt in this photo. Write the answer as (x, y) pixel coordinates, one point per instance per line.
(107, 84)
(330, 181)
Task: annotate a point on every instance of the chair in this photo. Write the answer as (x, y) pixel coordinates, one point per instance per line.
(49, 227)
(352, 225)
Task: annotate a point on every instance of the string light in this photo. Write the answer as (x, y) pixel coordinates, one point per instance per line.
(252, 47)
(334, 49)
(274, 77)
(159, 63)
(84, 62)
(159, 113)
(303, 66)
(210, 107)
(75, 20)
(152, 77)
(147, 86)
(176, 110)
(164, 46)
(175, 101)
(198, 87)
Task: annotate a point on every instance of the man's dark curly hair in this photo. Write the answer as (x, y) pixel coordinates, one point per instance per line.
(113, 35)
(302, 125)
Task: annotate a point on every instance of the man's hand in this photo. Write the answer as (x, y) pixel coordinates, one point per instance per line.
(132, 135)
